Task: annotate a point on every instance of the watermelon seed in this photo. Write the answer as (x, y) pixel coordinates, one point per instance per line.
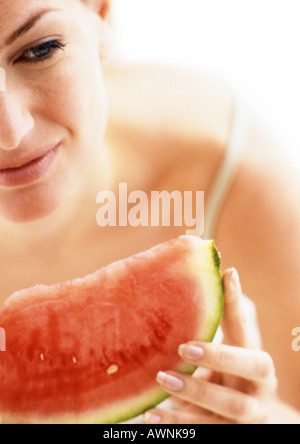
(112, 369)
(74, 360)
(42, 357)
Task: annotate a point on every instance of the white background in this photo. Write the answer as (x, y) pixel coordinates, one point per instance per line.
(254, 44)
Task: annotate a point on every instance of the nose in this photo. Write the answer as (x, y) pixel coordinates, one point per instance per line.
(14, 123)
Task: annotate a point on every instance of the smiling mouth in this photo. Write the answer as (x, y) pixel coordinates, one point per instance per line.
(29, 172)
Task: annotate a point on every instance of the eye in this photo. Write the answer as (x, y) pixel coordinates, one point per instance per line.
(41, 52)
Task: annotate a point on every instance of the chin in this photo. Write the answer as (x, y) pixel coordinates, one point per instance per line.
(29, 213)
(27, 207)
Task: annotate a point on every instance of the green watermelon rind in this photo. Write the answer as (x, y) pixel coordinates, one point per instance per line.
(213, 284)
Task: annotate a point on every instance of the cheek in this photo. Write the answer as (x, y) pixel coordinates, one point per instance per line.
(73, 97)
(69, 104)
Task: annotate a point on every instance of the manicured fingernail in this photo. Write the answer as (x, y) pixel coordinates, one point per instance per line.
(170, 382)
(191, 352)
(152, 418)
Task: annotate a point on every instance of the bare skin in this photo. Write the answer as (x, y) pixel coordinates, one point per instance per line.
(151, 143)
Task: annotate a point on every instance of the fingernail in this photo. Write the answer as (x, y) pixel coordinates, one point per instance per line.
(235, 279)
(170, 382)
(152, 418)
(191, 352)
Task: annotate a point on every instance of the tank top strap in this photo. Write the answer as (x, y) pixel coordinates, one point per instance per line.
(228, 169)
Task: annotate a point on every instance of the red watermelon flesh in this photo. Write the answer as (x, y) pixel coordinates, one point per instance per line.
(88, 350)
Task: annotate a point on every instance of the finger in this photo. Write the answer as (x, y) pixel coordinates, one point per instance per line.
(237, 327)
(185, 406)
(223, 401)
(253, 365)
(159, 416)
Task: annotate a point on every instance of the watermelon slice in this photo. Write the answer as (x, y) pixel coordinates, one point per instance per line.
(88, 350)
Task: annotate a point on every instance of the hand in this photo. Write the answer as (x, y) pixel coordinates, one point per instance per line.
(239, 383)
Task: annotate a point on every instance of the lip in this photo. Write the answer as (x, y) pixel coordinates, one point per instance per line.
(29, 172)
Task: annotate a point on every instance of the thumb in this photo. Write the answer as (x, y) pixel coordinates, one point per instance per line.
(240, 325)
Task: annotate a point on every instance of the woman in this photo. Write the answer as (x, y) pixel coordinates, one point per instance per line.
(165, 131)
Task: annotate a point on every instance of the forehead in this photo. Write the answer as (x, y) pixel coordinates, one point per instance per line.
(14, 12)
(14, 9)
(17, 14)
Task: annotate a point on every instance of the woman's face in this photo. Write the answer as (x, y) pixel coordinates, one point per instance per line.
(53, 110)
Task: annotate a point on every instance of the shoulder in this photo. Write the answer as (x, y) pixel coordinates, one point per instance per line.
(170, 99)
(263, 205)
(177, 118)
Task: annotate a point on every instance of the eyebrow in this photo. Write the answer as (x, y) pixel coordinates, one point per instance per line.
(29, 24)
